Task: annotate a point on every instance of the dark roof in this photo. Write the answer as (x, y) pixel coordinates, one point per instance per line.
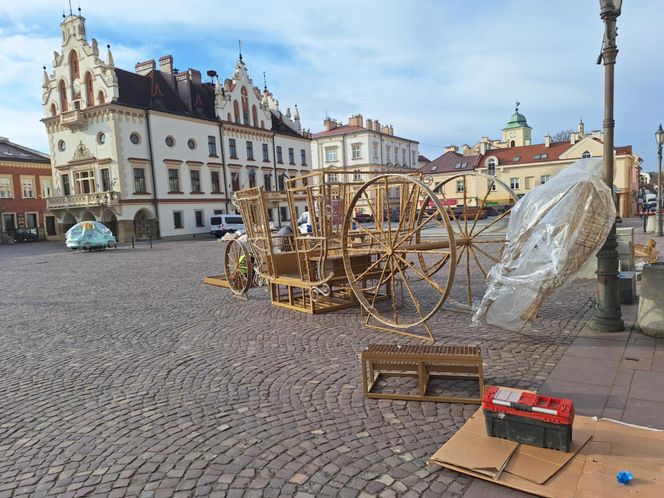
(155, 91)
(10, 151)
(347, 129)
(423, 159)
(279, 126)
(451, 162)
(527, 154)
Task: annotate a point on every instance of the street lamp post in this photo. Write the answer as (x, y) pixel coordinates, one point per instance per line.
(659, 137)
(608, 317)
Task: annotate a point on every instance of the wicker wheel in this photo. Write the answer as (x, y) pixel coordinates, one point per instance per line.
(382, 261)
(480, 238)
(238, 267)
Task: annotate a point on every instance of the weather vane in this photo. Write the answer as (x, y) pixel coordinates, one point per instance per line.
(239, 42)
(516, 109)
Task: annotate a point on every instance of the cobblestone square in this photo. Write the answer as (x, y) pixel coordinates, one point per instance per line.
(122, 374)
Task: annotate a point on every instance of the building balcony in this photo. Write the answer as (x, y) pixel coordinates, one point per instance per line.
(72, 118)
(99, 199)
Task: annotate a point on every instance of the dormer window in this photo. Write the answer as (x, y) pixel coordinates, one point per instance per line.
(586, 155)
(491, 167)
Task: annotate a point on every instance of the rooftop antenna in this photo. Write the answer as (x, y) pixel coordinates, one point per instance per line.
(239, 42)
(264, 82)
(71, 13)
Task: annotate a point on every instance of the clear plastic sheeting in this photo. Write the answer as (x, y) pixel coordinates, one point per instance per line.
(551, 233)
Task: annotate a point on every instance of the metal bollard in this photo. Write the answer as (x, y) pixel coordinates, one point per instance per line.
(132, 242)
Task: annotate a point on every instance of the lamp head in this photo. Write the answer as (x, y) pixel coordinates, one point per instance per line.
(610, 6)
(659, 135)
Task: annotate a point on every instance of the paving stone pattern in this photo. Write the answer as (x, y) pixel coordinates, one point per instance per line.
(121, 374)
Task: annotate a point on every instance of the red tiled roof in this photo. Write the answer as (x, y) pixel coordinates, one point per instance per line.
(527, 153)
(624, 149)
(339, 130)
(451, 162)
(423, 159)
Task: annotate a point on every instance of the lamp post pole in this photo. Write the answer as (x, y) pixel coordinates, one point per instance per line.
(608, 317)
(659, 137)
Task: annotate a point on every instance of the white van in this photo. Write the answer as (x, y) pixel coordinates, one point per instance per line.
(221, 224)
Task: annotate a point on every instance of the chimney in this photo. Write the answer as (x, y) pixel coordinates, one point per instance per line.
(330, 124)
(573, 138)
(483, 147)
(194, 75)
(466, 150)
(183, 87)
(166, 64)
(144, 68)
(356, 120)
(377, 125)
(369, 124)
(451, 148)
(391, 130)
(385, 129)
(547, 140)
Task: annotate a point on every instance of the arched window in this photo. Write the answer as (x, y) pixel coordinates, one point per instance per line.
(54, 109)
(254, 116)
(236, 111)
(586, 155)
(100, 97)
(245, 106)
(73, 65)
(228, 117)
(262, 124)
(62, 88)
(491, 167)
(89, 92)
(512, 142)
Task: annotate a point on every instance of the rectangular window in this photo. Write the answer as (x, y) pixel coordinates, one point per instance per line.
(46, 188)
(331, 154)
(529, 182)
(174, 181)
(514, 183)
(214, 180)
(305, 181)
(178, 222)
(199, 217)
(270, 215)
(267, 182)
(212, 146)
(6, 187)
(250, 151)
(403, 157)
(105, 180)
(9, 222)
(28, 188)
(291, 155)
(283, 213)
(66, 189)
(280, 157)
(544, 179)
(460, 186)
(375, 152)
(413, 158)
(266, 154)
(356, 150)
(493, 186)
(280, 179)
(396, 154)
(139, 181)
(31, 220)
(50, 226)
(303, 157)
(235, 181)
(252, 178)
(245, 117)
(357, 177)
(232, 150)
(85, 182)
(195, 176)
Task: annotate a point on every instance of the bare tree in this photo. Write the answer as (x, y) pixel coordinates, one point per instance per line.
(562, 135)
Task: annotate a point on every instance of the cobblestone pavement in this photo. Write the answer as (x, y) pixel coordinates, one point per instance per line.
(121, 374)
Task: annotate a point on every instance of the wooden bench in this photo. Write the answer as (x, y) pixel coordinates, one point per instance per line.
(422, 362)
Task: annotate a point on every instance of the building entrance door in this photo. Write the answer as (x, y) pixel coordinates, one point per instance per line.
(50, 226)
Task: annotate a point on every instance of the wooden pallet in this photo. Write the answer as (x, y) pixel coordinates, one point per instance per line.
(424, 363)
(218, 280)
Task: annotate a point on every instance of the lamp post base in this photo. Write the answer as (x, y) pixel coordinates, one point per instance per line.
(608, 317)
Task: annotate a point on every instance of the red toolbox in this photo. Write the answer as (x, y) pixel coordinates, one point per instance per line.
(528, 418)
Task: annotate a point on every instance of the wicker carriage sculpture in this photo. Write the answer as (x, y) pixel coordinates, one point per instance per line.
(384, 240)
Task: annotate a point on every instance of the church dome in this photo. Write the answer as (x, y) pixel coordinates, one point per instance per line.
(516, 121)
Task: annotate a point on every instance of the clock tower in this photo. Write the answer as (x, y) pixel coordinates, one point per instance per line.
(517, 132)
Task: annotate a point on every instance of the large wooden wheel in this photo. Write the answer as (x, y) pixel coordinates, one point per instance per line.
(382, 259)
(238, 267)
(479, 230)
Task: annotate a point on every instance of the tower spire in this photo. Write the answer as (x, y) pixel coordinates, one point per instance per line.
(264, 82)
(71, 13)
(239, 42)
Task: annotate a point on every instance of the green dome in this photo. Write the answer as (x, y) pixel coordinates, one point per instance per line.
(517, 121)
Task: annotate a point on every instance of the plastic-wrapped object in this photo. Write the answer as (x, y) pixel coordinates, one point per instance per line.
(551, 233)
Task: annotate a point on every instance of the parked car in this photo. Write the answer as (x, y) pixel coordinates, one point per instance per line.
(363, 218)
(90, 236)
(221, 224)
(26, 235)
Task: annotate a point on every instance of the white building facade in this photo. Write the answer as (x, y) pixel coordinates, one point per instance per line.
(155, 153)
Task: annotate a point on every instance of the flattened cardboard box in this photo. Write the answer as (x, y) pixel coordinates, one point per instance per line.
(600, 448)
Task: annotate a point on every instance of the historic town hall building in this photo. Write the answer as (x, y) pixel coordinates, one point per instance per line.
(157, 152)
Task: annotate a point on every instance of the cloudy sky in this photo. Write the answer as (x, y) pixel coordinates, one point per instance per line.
(441, 72)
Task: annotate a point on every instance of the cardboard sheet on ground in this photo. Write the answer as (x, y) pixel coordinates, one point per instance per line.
(599, 450)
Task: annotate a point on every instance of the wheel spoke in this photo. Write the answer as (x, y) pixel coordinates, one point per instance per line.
(477, 260)
(370, 268)
(375, 217)
(412, 232)
(394, 290)
(463, 249)
(428, 279)
(477, 215)
(488, 241)
(386, 198)
(373, 237)
(498, 218)
(404, 279)
(469, 288)
(378, 285)
(492, 258)
(465, 205)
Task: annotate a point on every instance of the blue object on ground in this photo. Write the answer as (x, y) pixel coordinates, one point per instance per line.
(624, 477)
